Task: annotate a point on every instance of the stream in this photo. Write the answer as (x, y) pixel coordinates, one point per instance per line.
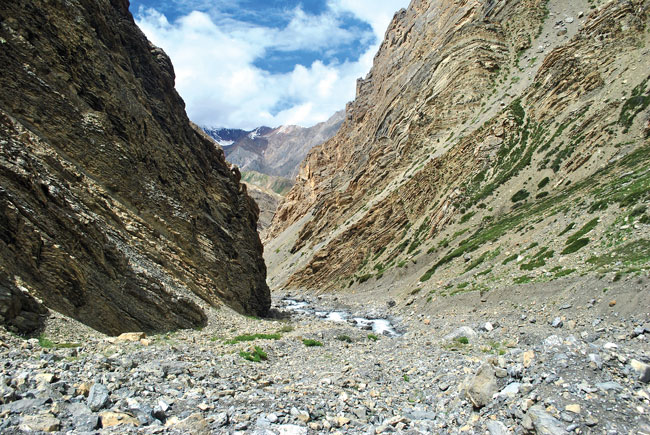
(379, 326)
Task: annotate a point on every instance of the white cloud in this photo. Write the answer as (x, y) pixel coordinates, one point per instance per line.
(217, 78)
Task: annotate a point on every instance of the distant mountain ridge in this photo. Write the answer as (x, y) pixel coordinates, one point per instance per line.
(274, 151)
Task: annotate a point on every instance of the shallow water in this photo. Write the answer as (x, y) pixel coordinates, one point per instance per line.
(378, 326)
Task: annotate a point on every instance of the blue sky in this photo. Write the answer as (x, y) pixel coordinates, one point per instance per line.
(246, 63)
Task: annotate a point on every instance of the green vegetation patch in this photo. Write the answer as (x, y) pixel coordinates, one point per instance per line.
(575, 246)
(256, 355)
(634, 105)
(567, 229)
(253, 337)
(344, 338)
(564, 272)
(373, 337)
(520, 195)
(45, 342)
(311, 343)
(582, 231)
(636, 252)
(523, 279)
(538, 260)
(543, 183)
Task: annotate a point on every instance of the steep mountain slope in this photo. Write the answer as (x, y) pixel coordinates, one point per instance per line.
(490, 143)
(113, 210)
(280, 151)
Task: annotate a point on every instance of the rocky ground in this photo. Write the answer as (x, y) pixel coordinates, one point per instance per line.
(464, 365)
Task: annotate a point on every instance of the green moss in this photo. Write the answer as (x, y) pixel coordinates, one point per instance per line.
(567, 229)
(565, 272)
(520, 195)
(311, 343)
(372, 337)
(509, 259)
(253, 337)
(363, 278)
(636, 252)
(257, 355)
(523, 279)
(466, 217)
(575, 246)
(538, 260)
(518, 111)
(634, 105)
(582, 231)
(543, 183)
(461, 340)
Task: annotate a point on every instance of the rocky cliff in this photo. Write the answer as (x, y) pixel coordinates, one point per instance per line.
(492, 144)
(113, 210)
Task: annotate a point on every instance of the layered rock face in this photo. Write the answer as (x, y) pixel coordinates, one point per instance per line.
(280, 151)
(113, 210)
(485, 130)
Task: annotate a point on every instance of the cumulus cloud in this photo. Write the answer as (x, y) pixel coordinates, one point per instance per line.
(214, 57)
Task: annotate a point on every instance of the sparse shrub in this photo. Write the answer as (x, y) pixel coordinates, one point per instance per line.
(373, 337)
(43, 341)
(253, 337)
(286, 328)
(461, 340)
(363, 278)
(311, 343)
(575, 246)
(520, 195)
(344, 338)
(543, 183)
(256, 355)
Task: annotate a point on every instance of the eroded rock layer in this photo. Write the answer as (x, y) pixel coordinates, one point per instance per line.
(482, 127)
(113, 210)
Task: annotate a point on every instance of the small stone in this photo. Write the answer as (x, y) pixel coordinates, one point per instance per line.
(83, 389)
(612, 303)
(609, 386)
(542, 422)
(131, 336)
(221, 419)
(596, 361)
(40, 423)
(568, 20)
(496, 428)
(98, 397)
(482, 386)
(562, 31)
(110, 419)
(610, 346)
(642, 369)
(557, 322)
(341, 421)
(488, 326)
(575, 408)
(591, 421)
(272, 418)
(195, 424)
(581, 14)
(45, 378)
(528, 358)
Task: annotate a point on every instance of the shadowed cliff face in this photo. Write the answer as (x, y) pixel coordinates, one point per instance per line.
(482, 127)
(113, 210)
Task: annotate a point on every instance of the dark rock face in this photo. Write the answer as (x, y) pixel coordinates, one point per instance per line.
(113, 210)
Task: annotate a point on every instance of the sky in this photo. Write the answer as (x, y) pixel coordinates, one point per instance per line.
(248, 63)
